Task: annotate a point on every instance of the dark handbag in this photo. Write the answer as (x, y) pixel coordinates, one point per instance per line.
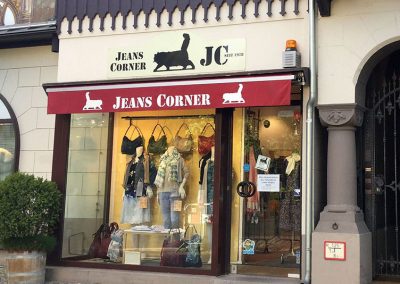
(129, 146)
(206, 142)
(193, 258)
(184, 145)
(160, 145)
(173, 251)
(101, 240)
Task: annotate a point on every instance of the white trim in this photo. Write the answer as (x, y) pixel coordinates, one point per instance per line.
(171, 83)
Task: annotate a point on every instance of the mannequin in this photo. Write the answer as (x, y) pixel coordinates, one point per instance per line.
(139, 177)
(170, 181)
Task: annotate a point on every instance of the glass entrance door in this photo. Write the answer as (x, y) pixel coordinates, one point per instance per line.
(266, 211)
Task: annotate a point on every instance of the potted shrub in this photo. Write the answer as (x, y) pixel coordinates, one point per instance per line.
(29, 211)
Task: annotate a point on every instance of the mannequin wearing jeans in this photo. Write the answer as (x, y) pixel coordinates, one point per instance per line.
(170, 181)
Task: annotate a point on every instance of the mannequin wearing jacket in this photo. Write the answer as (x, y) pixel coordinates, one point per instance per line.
(171, 178)
(139, 177)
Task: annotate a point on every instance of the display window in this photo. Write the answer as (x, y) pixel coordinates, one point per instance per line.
(186, 176)
(266, 205)
(162, 188)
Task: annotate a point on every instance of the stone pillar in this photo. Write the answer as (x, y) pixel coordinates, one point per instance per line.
(341, 222)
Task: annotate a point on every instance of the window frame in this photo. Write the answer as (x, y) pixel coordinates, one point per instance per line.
(13, 120)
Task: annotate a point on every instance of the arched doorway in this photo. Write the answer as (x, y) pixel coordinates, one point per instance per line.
(9, 139)
(381, 163)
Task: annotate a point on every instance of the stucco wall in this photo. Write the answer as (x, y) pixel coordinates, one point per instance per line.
(22, 73)
(81, 53)
(347, 39)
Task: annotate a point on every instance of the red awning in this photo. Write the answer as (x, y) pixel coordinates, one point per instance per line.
(171, 95)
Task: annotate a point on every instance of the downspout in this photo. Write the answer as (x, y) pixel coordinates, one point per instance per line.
(310, 125)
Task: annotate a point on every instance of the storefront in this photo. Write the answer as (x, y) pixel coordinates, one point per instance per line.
(235, 148)
(175, 135)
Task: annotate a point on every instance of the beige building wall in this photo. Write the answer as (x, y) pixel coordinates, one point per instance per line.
(347, 39)
(22, 73)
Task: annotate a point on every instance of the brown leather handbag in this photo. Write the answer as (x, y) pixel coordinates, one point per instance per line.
(101, 240)
(206, 142)
(184, 145)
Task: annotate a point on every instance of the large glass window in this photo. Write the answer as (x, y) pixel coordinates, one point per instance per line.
(9, 140)
(161, 189)
(266, 208)
(86, 182)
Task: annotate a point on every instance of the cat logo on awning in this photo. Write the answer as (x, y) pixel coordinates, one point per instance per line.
(92, 104)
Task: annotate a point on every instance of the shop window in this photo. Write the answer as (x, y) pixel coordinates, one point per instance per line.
(9, 140)
(161, 189)
(266, 208)
(86, 181)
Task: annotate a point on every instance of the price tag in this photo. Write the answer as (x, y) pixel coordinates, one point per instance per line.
(177, 206)
(143, 202)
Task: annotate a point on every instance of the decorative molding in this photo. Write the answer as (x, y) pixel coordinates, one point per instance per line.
(341, 115)
(324, 7)
(79, 9)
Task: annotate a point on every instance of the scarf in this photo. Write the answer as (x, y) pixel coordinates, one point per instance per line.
(172, 162)
(292, 159)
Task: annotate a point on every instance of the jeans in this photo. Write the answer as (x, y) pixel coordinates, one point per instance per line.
(170, 217)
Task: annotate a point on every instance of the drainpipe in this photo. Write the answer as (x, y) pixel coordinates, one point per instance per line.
(310, 124)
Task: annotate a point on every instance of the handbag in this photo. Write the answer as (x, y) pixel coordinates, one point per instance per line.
(206, 142)
(184, 145)
(193, 258)
(158, 146)
(101, 240)
(129, 146)
(114, 251)
(173, 251)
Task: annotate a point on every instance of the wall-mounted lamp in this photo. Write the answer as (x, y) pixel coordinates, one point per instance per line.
(291, 57)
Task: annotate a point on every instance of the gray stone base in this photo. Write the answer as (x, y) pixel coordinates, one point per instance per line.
(348, 227)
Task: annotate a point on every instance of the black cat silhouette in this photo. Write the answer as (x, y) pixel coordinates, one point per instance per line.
(174, 58)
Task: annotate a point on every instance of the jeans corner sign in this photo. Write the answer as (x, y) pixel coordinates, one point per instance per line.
(185, 54)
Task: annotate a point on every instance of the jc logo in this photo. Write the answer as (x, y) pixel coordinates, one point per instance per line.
(217, 55)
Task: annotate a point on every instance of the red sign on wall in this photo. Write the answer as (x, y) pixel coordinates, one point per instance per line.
(171, 95)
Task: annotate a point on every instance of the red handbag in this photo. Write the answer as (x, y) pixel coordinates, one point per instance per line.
(206, 142)
(101, 240)
(173, 251)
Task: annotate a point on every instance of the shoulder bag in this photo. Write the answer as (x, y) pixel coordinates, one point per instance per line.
(158, 146)
(184, 145)
(173, 251)
(101, 241)
(206, 142)
(129, 146)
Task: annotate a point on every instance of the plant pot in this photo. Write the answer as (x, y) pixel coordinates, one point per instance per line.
(22, 267)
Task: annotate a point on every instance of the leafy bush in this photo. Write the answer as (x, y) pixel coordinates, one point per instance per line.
(29, 211)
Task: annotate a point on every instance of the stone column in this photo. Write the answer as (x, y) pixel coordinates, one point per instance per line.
(341, 222)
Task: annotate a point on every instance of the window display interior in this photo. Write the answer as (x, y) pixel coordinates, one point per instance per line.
(162, 187)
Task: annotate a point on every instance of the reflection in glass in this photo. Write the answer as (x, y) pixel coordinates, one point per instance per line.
(14, 12)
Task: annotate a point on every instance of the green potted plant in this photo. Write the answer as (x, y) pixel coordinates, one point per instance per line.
(29, 212)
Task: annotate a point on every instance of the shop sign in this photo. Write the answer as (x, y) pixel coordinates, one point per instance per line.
(176, 54)
(172, 95)
(334, 250)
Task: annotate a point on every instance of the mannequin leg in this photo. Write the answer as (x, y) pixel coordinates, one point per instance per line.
(165, 205)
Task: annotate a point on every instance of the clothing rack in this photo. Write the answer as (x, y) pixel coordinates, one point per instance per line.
(166, 117)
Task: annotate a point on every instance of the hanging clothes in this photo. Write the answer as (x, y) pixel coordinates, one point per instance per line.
(290, 209)
(253, 202)
(206, 185)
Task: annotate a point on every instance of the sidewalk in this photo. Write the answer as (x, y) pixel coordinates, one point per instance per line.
(73, 275)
